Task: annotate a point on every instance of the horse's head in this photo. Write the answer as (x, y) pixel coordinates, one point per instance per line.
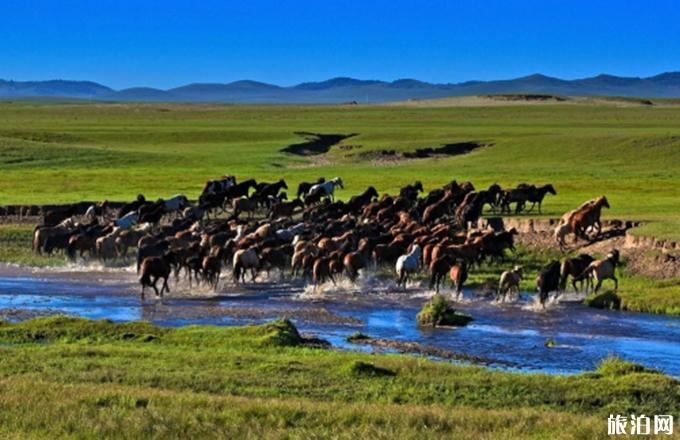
(283, 184)
(549, 188)
(603, 202)
(418, 186)
(372, 192)
(494, 189)
(614, 256)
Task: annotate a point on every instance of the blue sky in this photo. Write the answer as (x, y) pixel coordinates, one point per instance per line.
(123, 43)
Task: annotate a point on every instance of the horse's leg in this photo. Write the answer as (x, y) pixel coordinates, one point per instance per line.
(155, 280)
(599, 284)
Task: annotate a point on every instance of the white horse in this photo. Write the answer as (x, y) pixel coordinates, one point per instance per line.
(509, 282)
(290, 233)
(604, 269)
(91, 212)
(127, 221)
(242, 260)
(408, 264)
(176, 203)
(327, 188)
(216, 186)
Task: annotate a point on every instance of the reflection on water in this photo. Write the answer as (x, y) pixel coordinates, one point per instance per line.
(513, 333)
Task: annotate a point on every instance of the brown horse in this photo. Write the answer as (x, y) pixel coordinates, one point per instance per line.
(586, 217)
(574, 267)
(458, 275)
(438, 270)
(153, 269)
(354, 261)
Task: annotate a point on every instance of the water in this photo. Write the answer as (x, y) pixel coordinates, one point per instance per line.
(512, 334)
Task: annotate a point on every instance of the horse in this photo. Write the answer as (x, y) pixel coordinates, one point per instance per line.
(244, 204)
(220, 185)
(321, 271)
(490, 196)
(127, 221)
(548, 280)
(509, 282)
(537, 194)
(285, 209)
(242, 260)
(588, 216)
(411, 191)
(407, 264)
(212, 267)
(458, 274)
(604, 269)
(153, 269)
(438, 269)
(574, 267)
(327, 189)
(176, 203)
(354, 261)
(41, 233)
(271, 189)
(106, 245)
(439, 208)
(304, 187)
(356, 203)
(132, 206)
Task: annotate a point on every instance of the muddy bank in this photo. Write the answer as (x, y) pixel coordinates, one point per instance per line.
(424, 350)
(447, 150)
(526, 97)
(647, 256)
(317, 143)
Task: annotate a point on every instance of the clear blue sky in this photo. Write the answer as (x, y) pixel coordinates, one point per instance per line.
(122, 43)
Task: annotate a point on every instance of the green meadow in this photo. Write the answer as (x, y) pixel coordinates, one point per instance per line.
(65, 152)
(75, 378)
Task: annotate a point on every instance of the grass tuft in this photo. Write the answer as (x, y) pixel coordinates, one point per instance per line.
(439, 311)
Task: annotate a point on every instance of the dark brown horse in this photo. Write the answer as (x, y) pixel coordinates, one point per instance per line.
(458, 275)
(574, 267)
(153, 269)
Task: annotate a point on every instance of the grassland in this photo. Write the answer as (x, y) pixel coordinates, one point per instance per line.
(68, 377)
(69, 152)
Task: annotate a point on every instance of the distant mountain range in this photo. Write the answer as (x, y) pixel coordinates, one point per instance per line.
(339, 90)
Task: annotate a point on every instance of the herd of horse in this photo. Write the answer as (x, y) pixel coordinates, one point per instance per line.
(249, 227)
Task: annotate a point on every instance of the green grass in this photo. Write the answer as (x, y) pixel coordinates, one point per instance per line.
(70, 377)
(69, 152)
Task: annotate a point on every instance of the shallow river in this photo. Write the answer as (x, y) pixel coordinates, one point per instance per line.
(511, 336)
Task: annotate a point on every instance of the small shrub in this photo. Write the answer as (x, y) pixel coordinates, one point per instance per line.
(440, 312)
(605, 300)
(615, 366)
(360, 368)
(357, 336)
(281, 333)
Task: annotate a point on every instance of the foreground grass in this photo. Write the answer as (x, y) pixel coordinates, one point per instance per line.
(70, 152)
(79, 378)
